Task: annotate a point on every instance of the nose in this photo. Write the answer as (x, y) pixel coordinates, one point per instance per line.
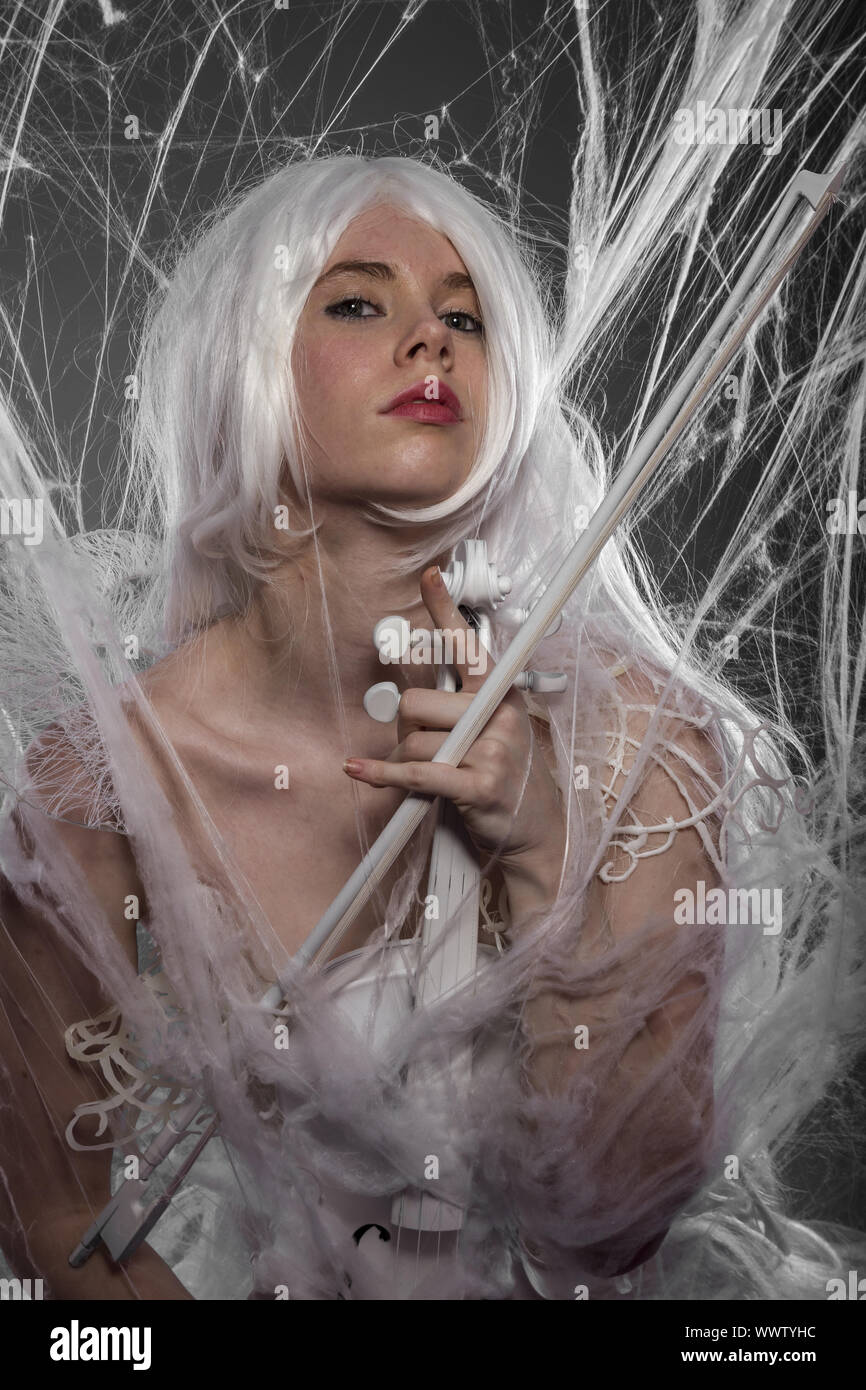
(427, 339)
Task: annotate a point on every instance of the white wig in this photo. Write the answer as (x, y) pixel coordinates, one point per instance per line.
(218, 415)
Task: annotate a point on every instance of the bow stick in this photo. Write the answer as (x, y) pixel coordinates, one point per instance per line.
(131, 1214)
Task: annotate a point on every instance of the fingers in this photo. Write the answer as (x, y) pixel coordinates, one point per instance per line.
(447, 617)
(429, 709)
(420, 746)
(484, 766)
(421, 709)
(427, 778)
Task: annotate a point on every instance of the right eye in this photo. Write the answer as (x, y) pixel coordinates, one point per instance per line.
(350, 308)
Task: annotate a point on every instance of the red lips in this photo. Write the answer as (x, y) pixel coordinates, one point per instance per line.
(436, 398)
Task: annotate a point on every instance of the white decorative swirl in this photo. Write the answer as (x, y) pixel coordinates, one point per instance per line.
(105, 1042)
(494, 919)
(720, 803)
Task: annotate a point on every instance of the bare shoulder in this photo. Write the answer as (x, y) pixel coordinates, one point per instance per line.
(658, 778)
(173, 722)
(65, 802)
(67, 771)
(179, 692)
(668, 811)
(177, 682)
(68, 767)
(673, 728)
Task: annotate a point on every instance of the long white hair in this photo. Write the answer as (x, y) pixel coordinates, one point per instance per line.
(217, 414)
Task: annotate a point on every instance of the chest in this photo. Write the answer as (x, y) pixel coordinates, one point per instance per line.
(295, 826)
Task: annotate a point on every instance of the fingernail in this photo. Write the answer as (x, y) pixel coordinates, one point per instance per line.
(352, 765)
(436, 579)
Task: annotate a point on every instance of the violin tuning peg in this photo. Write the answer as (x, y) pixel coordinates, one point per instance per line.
(392, 637)
(472, 579)
(382, 702)
(542, 682)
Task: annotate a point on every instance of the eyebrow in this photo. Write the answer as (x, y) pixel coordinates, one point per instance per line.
(380, 270)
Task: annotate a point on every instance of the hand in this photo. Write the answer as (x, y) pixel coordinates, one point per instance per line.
(503, 788)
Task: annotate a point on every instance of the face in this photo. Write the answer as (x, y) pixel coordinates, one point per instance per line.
(406, 321)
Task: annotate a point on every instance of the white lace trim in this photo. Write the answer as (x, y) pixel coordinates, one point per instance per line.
(718, 804)
(106, 1042)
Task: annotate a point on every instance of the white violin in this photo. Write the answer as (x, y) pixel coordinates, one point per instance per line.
(446, 957)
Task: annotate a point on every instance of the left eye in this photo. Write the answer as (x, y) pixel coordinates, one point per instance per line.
(476, 324)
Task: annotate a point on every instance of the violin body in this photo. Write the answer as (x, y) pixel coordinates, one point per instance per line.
(396, 1247)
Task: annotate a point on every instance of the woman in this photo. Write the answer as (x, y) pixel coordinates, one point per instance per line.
(349, 373)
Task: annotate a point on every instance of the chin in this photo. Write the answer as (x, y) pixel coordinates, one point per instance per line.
(422, 483)
(413, 494)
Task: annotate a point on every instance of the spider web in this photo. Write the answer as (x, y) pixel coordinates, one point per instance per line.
(124, 127)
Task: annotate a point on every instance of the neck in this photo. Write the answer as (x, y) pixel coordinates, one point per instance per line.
(276, 659)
